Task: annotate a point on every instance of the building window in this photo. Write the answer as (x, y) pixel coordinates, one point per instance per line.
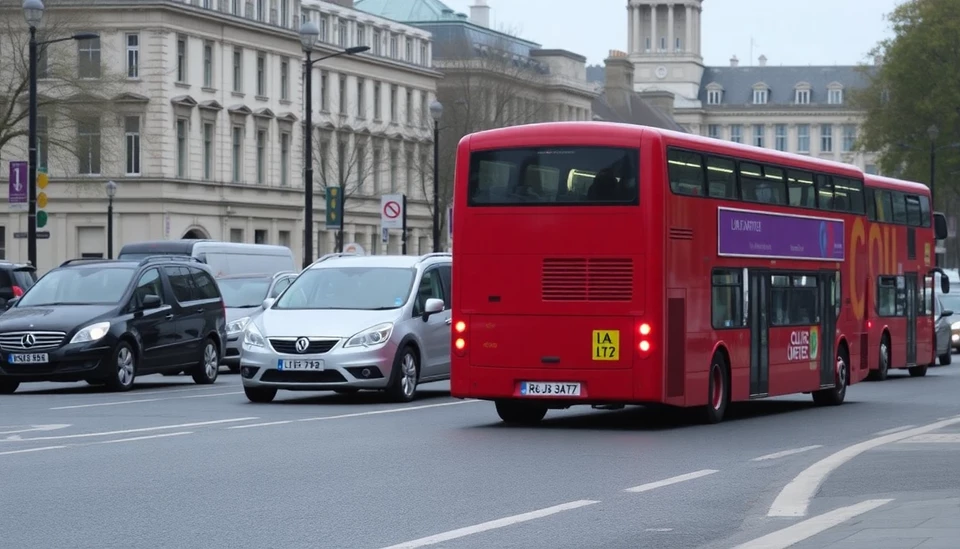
(736, 133)
(325, 29)
(714, 97)
(88, 146)
(208, 150)
(261, 10)
(394, 50)
(409, 51)
(361, 155)
(758, 135)
(648, 44)
(237, 70)
(283, 239)
(377, 102)
(424, 110)
(408, 115)
(424, 56)
(324, 105)
(43, 65)
(132, 143)
(285, 79)
(377, 42)
(343, 94)
(361, 104)
(133, 56)
(237, 145)
(235, 7)
(849, 137)
(88, 56)
(713, 130)
(803, 97)
(261, 74)
(181, 58)
(393, 102)
(871, 169)
(393, 170)
(781, 137)
(208, 64)
(43, 140)
(259, 236)
(322, 159)
(342, 33)
(181, 148)
(236, 235)
(377, 157)
(663, 43)
(678, 45)
(284, 159)
(284, 13)
(261, 156)
(760, 96)
(826, 138)
(803, 138)
(410, 167)
(361, 35)
(835, 97)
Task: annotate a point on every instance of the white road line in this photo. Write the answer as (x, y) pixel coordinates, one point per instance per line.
(791, 535)
(894, 430)
(795, 497)
(357, 414)
(118, 402)
(32, 428)
(140, 430)
(31, 450)
(492, 525)
(148, 437)
(659, 530)
(947, 438)
(672, 480)
(786, 453)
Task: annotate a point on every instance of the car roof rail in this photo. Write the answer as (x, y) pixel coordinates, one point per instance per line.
(159, 258)
(85, 260)
(425, 257)
(334, 255)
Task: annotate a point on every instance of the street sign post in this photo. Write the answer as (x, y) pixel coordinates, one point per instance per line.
(334, 207)
(393, 215)
(41, 235)
(18, 186)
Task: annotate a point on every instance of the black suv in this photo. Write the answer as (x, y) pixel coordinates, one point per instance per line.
(15, 280)
(108, 321)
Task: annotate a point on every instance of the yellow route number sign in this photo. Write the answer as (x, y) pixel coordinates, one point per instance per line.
(606, 345)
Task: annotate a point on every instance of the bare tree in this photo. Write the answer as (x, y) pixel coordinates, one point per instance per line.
(75, 89)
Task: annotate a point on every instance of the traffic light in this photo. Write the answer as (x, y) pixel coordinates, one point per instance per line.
(42, 180)
(334, 207)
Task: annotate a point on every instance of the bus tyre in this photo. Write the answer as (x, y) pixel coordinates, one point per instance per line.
(520, 413)
(946, 359)
(918, 371)
(836, 394)
(718, 392)
(883, 368)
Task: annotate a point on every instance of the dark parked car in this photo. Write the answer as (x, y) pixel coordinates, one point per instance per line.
(109, 321)
(15, 280)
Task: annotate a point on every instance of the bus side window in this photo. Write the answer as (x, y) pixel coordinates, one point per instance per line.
(757, 186)
(871, 204)
(884, 206)
(887, 296)
(847, 195)
(721, 178)
(899, 208)
(925, 212)
(773, 178)
(824, 192)
(800, 189)
(913, 211)
(726, 298)
(685, 170)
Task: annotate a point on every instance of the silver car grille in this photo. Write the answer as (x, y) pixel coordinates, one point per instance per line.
(31, 341)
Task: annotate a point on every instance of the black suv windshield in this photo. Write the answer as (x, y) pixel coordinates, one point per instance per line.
(244, 292)
(354, 288)
(99, 285)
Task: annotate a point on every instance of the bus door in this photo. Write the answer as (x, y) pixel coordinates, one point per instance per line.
(910, 283)
(828, 289)
(758, 313)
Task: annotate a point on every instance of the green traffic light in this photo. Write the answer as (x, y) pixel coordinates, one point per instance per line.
(41, 219)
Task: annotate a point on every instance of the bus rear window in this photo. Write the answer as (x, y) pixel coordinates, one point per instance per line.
(554, 176)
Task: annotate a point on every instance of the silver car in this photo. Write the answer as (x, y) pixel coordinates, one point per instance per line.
(244, 296)
(353, 322)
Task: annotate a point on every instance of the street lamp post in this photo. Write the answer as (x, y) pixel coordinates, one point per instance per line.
(933, 133)
(111, 188)
(436, 112)
(33, 13)
(309, 32)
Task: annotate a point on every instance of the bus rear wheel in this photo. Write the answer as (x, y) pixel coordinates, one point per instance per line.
(520, 413)
(718, 391)
(918, 371)
(836, 395)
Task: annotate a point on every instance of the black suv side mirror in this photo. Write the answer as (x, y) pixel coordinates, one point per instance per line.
(945, 313)
(150, 301)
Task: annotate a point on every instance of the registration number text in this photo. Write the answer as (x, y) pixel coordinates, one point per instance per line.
(28, 358)
(534, 388)
(300, 365)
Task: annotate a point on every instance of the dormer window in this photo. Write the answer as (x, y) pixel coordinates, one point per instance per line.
(802, 97)
(835, 93)
(714, 97)
(760, 95)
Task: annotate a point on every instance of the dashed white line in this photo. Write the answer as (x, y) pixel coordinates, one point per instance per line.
(785, 453)
(791, 535)
(894, 430)
(492, 525)
(28, 450)
(140, 430)
(356, 414)
(672, 480)
(659, 530)
(148, 437)
(795, 497)
(119, 402)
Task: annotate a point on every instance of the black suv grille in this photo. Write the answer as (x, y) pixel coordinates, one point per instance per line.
(289, 346)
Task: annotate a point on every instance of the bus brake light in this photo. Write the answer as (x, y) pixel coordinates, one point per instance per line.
(644, 345)
(644, 329)
(460, 326)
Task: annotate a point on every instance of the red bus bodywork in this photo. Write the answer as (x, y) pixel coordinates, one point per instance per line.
(656, 260)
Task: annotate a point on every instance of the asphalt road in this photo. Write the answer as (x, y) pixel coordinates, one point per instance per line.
(173, 464)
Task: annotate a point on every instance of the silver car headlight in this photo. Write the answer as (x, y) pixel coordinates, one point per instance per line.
(93, 332)
(252, 337)
(372, 337)
(237, 325)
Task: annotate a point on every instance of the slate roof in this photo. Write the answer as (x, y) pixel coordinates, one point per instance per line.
(738, 82)
(636, 111)
(407, 10)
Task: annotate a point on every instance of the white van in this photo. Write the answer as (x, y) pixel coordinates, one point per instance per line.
(223, 258)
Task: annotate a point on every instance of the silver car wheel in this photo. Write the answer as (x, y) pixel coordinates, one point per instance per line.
(125, 366)
(408, 369)
(211, 362)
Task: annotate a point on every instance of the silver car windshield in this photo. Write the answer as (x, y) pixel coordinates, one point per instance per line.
(951, 302)
(243, 293)
(84, 286)
(353, 288)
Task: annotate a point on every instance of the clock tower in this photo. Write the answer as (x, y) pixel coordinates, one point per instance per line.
(664, 45)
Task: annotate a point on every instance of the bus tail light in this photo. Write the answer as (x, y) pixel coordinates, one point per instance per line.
(460, 340)
(644, 345)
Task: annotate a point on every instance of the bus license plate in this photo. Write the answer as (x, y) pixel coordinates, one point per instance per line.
(300, 365)
(28, 358)
(536, 388)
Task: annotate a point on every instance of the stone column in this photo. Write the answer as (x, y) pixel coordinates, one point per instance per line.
(631, 42)
(688, 28)
(637, 28)
(671, 43)
(653, 27)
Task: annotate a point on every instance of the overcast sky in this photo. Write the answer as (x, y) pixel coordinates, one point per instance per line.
(808, 32)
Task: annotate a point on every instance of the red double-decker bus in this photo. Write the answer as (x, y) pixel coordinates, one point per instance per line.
(892, 284)
(612, 264)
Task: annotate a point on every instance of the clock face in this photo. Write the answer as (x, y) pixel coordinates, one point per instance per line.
(661, 72)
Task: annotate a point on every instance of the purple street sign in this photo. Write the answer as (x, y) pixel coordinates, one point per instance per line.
(744, 233)
(18, 182)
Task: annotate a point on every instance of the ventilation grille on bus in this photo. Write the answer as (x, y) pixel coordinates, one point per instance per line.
(583, 279)
(681, 234)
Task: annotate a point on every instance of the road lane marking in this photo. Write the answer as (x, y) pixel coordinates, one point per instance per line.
(791, 535)
(951, 438)
(659, 530)
(672, 480)
(785, 453)
(148, 437)
(795, 497)
(31, 450)
(32, 428)
(894, 430)
(356, 414)
(118, 402)
(140, 430)
(492, 525)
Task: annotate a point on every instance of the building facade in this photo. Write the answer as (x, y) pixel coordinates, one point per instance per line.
(195, 109)
(795, 109)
